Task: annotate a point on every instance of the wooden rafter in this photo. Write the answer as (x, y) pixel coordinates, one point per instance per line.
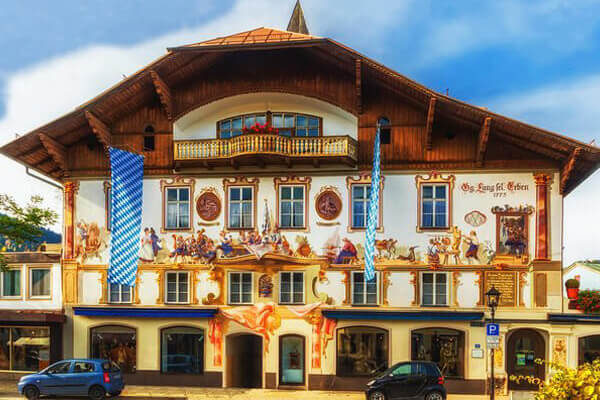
(536, 148)
(56, 150)
(358, 84)
(484, 135)
(567, 170)
(429, 127)
(100, 129)
(164, 93)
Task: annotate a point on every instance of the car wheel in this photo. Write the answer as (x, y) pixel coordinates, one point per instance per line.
(377, 395)
(31, 392)
(97, 393)
(434, 396)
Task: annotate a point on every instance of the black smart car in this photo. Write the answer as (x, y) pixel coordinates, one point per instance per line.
(415, 380)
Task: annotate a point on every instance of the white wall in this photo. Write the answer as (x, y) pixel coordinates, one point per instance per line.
(25, 302)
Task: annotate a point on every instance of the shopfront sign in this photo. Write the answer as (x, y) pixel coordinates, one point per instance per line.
(496, 189)
(506, 284)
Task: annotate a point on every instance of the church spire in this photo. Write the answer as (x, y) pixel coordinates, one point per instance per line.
(297, 23)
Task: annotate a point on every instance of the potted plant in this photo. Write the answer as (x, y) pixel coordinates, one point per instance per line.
(572, 286)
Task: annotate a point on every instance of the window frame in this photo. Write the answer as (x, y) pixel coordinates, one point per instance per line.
(20, 295)
(243, 117)
(30, 294)
(229, 291)
(240, 202)
(374, 330)
(364, 294)
(434, 178)
(241, 181)
(293, 181)
(109, 327)
(177, 183)
(162, 371)
(292, 292)
(281, 339)
(422, 282)
(120, 294)
(269, 120)
(177, 282)
(363, 179)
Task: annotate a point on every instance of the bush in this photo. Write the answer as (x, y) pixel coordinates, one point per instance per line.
(582, 383)
(588, 301)
(572, 283)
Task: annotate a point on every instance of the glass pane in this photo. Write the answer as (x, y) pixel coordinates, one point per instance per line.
(225, 125)
(358, 191)
(362, 351)
(226, 135)
(30, 349)
(285, 297)
(444, 347)
(440, 220)
(246, 298)
(301, 121)
(234, 194)
(184, 194)
(301, 132)
(292, 360)
(126, 295)
(286, 207)
(298, 207)
(299, 220)
(249, 121)
(236, 133)
(286, 221)
(40, 282)
(115, 343)
(182, 350)
(313, 122)
(261, 119)
(236, 124)
(299, 192)
(247, 278)
(286, 192)
(427, 220)
(313, 132)
(247, 194)
(428, 207)
(11, 283)
(285, 132)
(440, 192)
(277, 121)
(289, 121)
(172, 194)
(427, 191)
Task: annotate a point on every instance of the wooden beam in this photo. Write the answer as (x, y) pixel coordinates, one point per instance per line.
(484, 135)
(164, 93)
(100, 129)
(429, 127)
(56, 150)
(567, 170)
(526, 144)
(358, 85)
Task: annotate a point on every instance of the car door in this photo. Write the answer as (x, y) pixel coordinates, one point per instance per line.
(55, 379)
(397, 385)
(83, 375)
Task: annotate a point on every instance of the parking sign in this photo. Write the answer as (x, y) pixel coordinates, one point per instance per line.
(492, 330)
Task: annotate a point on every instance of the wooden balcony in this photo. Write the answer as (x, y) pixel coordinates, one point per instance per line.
(265, 149)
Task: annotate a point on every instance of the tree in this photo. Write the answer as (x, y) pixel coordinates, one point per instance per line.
(581, 383)
(23, 225)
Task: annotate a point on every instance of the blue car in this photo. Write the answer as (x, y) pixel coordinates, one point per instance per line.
(81, 377)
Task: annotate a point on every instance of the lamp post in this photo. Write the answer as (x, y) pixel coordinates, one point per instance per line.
(493, 297)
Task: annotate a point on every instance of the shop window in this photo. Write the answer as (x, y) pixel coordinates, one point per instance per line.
(24, 349)
(589, 349)
(39, 283)
(291, 362)
(241, 206)
(115, 343)
(240, 287)
(361, 351)
(182, 350)
(434, 289)
(178, 287)
(445, 347)
(118, 293)
(291, 206)
(363, 292)
(291, 287)
(177, 208)
(11, 283)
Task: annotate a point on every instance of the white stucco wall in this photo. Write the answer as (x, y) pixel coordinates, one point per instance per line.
(25, 301)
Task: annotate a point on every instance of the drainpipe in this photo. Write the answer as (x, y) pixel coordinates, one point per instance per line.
(39, 178)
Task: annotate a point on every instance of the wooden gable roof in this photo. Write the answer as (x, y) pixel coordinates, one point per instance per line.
(44, 148)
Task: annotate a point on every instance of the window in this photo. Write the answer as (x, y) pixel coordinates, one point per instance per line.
(232, 127)
(291, 360)
(241, 205)
(361, 351)
(385, 133)
(115, 343)
(589, 349)
(434, 202)
(291, 287)
(289, 124)
(118, 293)
(177, 287)
(443, 346)
(363, 292)
(11, 283)
(82, 367)
(149, 138)
(182, 350)
(24, 349)
(178, 208)
(240, 287)
(405, 370)
(291, 206)
(434, 289)
(360, 204)
(434, 207)
(60, 368)
(39, 284)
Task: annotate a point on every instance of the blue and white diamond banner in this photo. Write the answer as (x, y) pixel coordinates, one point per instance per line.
(127, 173)
(373, 212)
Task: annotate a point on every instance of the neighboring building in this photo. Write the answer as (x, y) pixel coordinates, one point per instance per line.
(251, 266)
(586, 272)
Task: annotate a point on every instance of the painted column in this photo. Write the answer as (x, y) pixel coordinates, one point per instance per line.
(71, 188)
(542, 183)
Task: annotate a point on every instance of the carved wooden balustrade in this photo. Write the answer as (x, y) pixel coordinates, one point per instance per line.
(257, 144)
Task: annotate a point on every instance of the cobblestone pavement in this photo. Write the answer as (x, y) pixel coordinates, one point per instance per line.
(8, 391)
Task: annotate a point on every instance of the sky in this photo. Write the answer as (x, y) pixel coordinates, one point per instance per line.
(537, 61)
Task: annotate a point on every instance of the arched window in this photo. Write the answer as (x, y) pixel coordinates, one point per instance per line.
(115, 343)
(362, 351)
(182, 350)
(589, 349)
(149, 138)
(385, 131)
(445, 347)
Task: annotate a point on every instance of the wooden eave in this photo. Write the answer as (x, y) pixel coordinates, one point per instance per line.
(180, 62)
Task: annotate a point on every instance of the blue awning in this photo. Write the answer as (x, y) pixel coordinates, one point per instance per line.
(404, 315)
(140, 312)
(571, 318)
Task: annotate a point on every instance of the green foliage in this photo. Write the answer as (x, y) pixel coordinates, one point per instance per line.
(23, 224)
(582, 383)
(588, 301)
(572, 283)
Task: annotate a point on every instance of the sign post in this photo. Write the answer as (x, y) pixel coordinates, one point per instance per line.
(492, 335)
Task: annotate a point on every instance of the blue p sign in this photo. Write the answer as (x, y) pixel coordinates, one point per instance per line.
(492, 330)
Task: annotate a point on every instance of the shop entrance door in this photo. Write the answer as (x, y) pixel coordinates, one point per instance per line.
(244, 361)
(523, 348)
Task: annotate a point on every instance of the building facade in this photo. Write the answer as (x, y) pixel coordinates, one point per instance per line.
(252, 258)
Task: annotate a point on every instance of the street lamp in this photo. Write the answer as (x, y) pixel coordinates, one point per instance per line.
(493, 297)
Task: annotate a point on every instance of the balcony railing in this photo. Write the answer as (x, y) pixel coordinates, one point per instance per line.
(257, 144)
